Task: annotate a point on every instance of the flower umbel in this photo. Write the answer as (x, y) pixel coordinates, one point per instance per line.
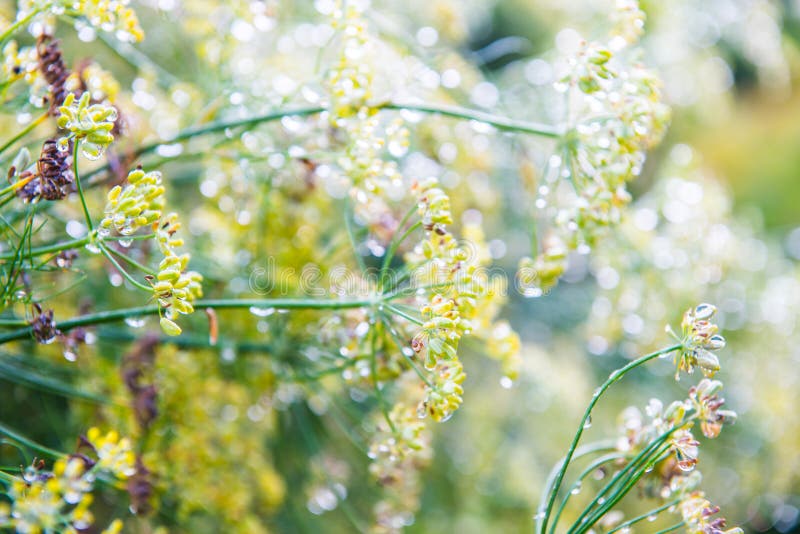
(91, 124)
(699, 338)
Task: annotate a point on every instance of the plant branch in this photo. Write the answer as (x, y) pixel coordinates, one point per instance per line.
(614, 377)
(220, 304)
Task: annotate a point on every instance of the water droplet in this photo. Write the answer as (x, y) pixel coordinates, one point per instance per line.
(538, 516)
(506, 382)
(588, 422)
(94, 249)
(652, 517)
(70, 355)
(135, 322)
(576, 489)
(261, 312)
(228, 354)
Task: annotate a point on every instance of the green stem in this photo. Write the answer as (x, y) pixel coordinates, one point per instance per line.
(122, 271)
(651, 513)
(144, 268)
(75, 147)
(22, 440)
(17, 25)
(25, 131)
(614, 377)
(375, 382)
(579, 481)
(630, 472)
(68, 245)
(672, 528)
(580, 452)
(586, 521)
(404, 315)
(499, 122)
(220, 304)
(387, 259)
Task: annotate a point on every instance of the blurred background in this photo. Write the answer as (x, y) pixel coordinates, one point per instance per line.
(715, 218)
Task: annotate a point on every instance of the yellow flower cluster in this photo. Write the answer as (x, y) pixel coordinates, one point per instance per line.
(444, 395)
(139, 204)
(114, 453)
(89, 124)
(58, 500)
(136, 205)
(207, 445)
(111, 15)
(397, 457)
(176, 289)
(20, 63)
(350, 81)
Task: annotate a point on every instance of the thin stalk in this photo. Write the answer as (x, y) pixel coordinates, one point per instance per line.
(579, 481)
(22, 133)
(411, 290)
(627, 485)
(34, 380)
(68, 245)
(387, 258)
(374, 372)
(614, 377)
(580, 452)
(400, 345)
(499, 122)
(75, 147)
(625, 475)
(393, 250)
(144, 268)
(219, 304)
(651, 513)
(122, 271)
(672, 528)
(404, 315)
(22, 440)
(17, 25)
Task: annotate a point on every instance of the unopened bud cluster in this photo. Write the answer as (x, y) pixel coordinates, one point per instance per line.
(91, 124)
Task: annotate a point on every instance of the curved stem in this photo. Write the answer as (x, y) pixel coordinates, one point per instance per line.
(220, 304)
(122, 271)
(69, 245)
(457, 112)
(580, 452)
(22, 440)
(642, 517)
(75, 147)
(22, 133)
(577, 484)
(387, 259)
(589, 517)
(672, 528)
(614, 377)
(17, 25)
(499, 122)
